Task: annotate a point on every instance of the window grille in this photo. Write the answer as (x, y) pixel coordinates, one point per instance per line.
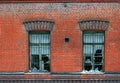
(93, 44)
(39, 51)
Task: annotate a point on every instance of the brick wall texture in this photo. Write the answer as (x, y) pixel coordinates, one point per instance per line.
(65, 57)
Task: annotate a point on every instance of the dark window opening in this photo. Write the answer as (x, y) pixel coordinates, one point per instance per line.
(46, 60)
(88, 67)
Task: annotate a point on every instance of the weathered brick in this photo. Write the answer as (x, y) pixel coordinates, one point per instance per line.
(65, 57)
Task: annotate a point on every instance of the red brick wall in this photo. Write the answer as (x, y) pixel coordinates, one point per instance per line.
(59, 1)
(65, 57)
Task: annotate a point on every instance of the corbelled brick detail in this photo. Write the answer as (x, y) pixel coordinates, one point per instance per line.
(38, 25)
(94, 25)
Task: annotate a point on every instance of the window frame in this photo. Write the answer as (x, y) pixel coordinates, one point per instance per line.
(103, 54)
(30, 55)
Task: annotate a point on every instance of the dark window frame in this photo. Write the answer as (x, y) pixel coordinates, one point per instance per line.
(103, 54)
(30, 44)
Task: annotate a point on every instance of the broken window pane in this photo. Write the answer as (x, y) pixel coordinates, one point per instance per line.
(98, 48)
(98, 67)
(93, 51)
(35, 62)
(98, 60)
(45, 59)
(40, 51)
(88, 59)
(88, 67)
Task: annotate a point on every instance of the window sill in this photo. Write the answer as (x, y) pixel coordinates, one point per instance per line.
(11, 73)
(38, 73)
(67, 73)
(92, 73)
(79, 73)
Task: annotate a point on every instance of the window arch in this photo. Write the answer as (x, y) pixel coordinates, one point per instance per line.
(39, 25)
(93, 25)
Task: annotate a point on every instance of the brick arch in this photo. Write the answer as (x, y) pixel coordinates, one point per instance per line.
(39, 25)
(93, 25)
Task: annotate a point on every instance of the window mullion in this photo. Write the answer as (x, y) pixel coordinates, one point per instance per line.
(30, 52)
(39, 57)
(93, 51)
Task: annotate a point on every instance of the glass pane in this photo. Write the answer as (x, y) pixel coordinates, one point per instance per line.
(44, 38)
(45, 49)
(98, 49)
(88, 38)
(98, 60)
(34, 49)
(35, 63)
(98, 38)
(46, 62)
(88, 49)
(98, 56)
(88, 59)
(34, 38)
(98, 68)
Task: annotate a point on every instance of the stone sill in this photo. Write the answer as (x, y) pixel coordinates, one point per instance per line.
(60, 73)
(58, 76)
(56, 1)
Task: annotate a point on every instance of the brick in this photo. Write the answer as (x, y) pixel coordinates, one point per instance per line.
(65, 57)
